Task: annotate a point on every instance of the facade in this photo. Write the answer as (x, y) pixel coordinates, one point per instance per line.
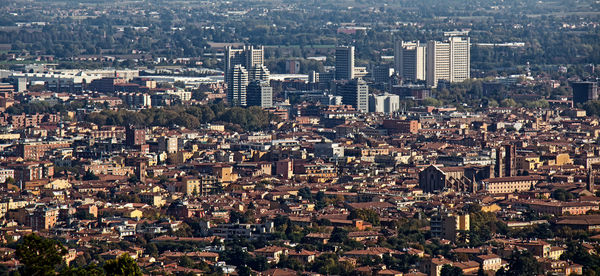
(401, 126)
(31, 171)
(330, 150)
(241, 66)
(356, 93)
(259, 73)
(449, 60)
(448, 226)
(501, 185)
(506, 161)
(43, 218)
(344, 63)
(6, 174)
(491, 262)
(37, 150)
(386, 103)
(292, 66)
(248, 57)
(564, 208)
(168, 144)
(239, 230)
(135, 136)
(461, 179)
(584, 91)
(201, 186)
(237, 84)
(259, 93)
(410, 60)
(135, 99)
(382, 73)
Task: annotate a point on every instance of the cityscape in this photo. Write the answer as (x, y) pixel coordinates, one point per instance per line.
(287, 137)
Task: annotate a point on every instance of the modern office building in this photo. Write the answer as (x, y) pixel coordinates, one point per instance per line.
(356, 93)
(449, 60)
(344, 63)
(410, 60)
(259, 93)
(584, 91)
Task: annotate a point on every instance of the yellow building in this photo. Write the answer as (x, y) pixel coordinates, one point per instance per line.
(493, 208)
(500, 185)
(201, 186)
(224, 174)
(528, 163)
(137, 214)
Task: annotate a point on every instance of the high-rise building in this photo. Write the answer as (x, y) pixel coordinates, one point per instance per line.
(356, 93)
(438, 62)
(344, 63)
(248, 56)
(243, 65)
(460, 58)
(259, 72)
(313, 77)
(410, 60)
(584, 91)
(237, 83)
(259, 93)
(449, 60)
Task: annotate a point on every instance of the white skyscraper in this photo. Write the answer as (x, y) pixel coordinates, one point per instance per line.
(248, 56)
(259, 72)
(237, 84)
(410, 60)
(241, 66)
(344, 63)
(449, 60)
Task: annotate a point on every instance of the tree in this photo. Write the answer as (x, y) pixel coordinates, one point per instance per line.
(368, 215)
(124, 265)
(508, 103)
(521, 264)
(89, 175)
(91, 270)
(450, 270)
(339, 235)
(431, 102)
(562, 195)
(39, 256)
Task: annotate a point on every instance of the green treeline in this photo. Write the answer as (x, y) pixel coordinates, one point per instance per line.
(191, 117)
